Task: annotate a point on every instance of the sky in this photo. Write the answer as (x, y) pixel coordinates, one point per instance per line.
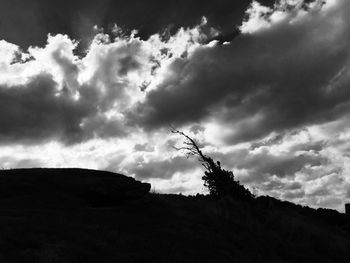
(262, 86)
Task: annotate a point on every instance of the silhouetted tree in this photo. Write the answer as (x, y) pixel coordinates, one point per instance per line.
(220, 182)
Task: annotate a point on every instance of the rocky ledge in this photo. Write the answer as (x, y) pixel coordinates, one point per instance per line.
(67, 187)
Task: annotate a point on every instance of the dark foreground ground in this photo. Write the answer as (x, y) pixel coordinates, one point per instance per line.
(67, 228)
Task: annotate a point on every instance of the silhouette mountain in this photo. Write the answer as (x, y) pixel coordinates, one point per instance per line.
(78, 215)
(67, 187)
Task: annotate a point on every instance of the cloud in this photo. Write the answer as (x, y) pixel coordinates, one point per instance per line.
(34, 112)
(20, 22)
(271, 104)
(291, 73)
(293, 154)
(73, 98)
(297, 166)
(28, 23)
(163, 169)
(280, 165)
(143, 148)
(50, 93)
(7, 162)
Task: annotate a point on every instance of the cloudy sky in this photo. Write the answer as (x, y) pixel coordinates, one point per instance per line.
(262, 86)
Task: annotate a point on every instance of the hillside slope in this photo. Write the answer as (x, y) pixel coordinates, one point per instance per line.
(163, 228)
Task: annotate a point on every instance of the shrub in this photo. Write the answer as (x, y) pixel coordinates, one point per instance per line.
(220, 182)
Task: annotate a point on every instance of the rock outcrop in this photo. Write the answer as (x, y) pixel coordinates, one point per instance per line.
(68, 187)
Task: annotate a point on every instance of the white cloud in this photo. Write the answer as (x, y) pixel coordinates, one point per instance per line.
(7, 52)
(256, 18)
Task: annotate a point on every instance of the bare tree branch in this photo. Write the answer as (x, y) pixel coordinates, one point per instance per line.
(191, 146)
(220, 182)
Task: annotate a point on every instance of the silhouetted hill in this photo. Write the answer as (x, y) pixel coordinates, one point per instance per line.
(70, 187)
(65, 226)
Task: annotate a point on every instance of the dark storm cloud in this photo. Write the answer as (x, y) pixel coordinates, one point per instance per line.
(20, 22)
(37, 112)
(28, 22)
(34, 113)
(284, 77)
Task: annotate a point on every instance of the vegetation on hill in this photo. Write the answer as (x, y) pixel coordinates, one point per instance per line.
(221, 183)
(44, 219)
